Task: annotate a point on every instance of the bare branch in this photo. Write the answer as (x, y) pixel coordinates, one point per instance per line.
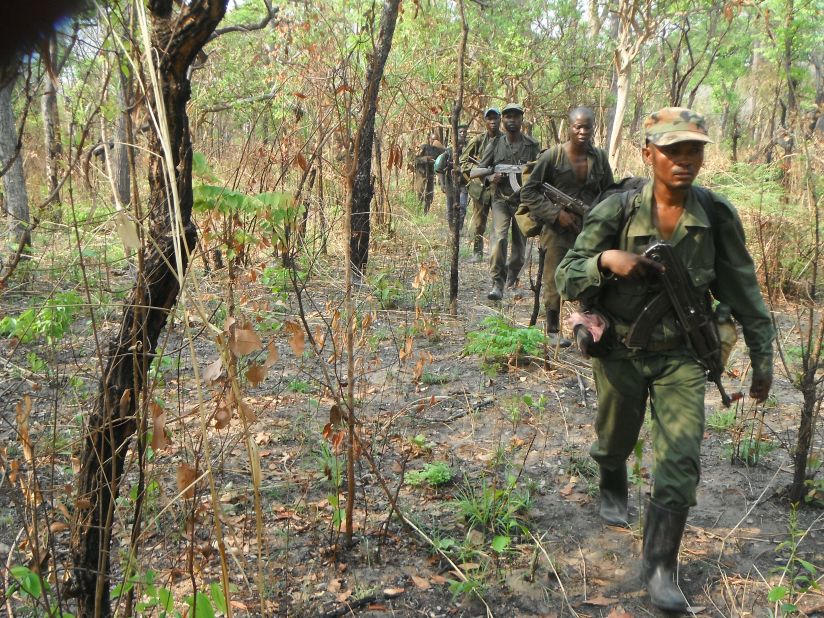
(271, 13)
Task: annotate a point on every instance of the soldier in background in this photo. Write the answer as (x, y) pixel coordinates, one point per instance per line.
(580, 170)
(480, 193)
(456, 192)
(424, 184)
(510, 148)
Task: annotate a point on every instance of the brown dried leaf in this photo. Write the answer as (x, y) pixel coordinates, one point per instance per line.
(297, 340)
(159, 441)
(393, 592)
(243, 341)
(58, 526)
(213, 371)
(256, 374)
(185, 480)
(421, 583)
(22, 411)
(335, 415)
(301, 161)
(272, 356)
(222, 415)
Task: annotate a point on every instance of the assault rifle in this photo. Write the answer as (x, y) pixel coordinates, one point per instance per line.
(573, 205)
(692, 312)
(510, 170)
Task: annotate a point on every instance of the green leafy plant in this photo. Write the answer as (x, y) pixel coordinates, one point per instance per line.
(797, 575)
(721, 419)
(494, 509)
(386, 289)
(499, 341)
(31, 590)
(50, 322)
(300, 386)
(433, 474)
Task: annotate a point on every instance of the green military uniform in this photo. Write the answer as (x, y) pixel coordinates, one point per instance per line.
(424, 184)
(555, 168)
(716, 259)
(500, 152)
(707, 237)
(481, 195)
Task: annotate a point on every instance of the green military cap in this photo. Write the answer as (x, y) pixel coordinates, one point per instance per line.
(492, 110)
(513, 107)
(671, 125)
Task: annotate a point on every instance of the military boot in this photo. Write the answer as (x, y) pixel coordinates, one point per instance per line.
(614, 491)
(497, 292)
(663, 529)
(553, 327)
(478, 250)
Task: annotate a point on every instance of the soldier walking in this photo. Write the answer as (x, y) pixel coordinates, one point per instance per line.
(480, 193)
(607, 269)
(580, 170)
(510, 148)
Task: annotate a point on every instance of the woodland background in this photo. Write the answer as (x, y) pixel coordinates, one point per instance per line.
(205, 412)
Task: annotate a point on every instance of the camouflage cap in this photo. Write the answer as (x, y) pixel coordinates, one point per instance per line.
(513, 107)
(671, 125)
(492, 110)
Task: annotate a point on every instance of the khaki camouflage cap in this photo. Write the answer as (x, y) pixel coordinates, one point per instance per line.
(671, 125)
(513, 107)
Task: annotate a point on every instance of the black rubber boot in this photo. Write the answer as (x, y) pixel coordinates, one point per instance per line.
(614, 492)
(497, 292)
(553, 326)
(663, 529)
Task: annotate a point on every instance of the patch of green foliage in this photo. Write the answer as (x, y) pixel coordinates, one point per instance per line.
(433, 474)
(498, 340)
(49, 322)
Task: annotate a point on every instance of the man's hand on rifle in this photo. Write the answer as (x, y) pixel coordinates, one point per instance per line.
(496, 178)
(628, 265)
(568, 221)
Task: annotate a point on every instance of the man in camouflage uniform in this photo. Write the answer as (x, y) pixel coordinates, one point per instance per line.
(456, 192)
(480, 193)
(580, 170)
(510, 148)
(607, 269)
(425, 170)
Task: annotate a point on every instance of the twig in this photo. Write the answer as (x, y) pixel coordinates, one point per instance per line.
(552, 566)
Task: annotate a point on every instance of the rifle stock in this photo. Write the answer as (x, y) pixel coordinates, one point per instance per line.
(694, 316)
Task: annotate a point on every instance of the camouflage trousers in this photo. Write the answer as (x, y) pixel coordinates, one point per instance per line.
(503, 268)
(556, 245)
(674, 383)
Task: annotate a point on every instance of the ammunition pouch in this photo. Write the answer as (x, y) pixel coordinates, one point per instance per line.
(527, 222)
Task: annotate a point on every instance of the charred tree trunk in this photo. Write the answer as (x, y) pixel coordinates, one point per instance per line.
(361, 182)
(176, 39)
(457, 221)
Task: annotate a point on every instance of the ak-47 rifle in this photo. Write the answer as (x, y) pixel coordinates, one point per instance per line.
(510, 170)
(573, 205)
(692, 311)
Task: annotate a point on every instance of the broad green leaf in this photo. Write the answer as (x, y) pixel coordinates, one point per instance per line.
(218, 597)
(203, 608)
(777, 594)
(500, 543)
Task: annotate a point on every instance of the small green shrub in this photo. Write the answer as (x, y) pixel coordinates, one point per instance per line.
(433, 474)
(500, 341)
(49, 322)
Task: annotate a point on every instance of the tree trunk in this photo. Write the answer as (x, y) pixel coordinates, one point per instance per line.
(176, 39)
(122, 140)
(361, 182)
(624, 82)
(14, 181)
(51, 131)
(457, 219)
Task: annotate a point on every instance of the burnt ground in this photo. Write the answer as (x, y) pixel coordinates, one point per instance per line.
(514, 435)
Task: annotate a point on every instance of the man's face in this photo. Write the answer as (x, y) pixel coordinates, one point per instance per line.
(580, 131)
(513, 121)
(676, 165)
(493, 122)
(462, 135)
